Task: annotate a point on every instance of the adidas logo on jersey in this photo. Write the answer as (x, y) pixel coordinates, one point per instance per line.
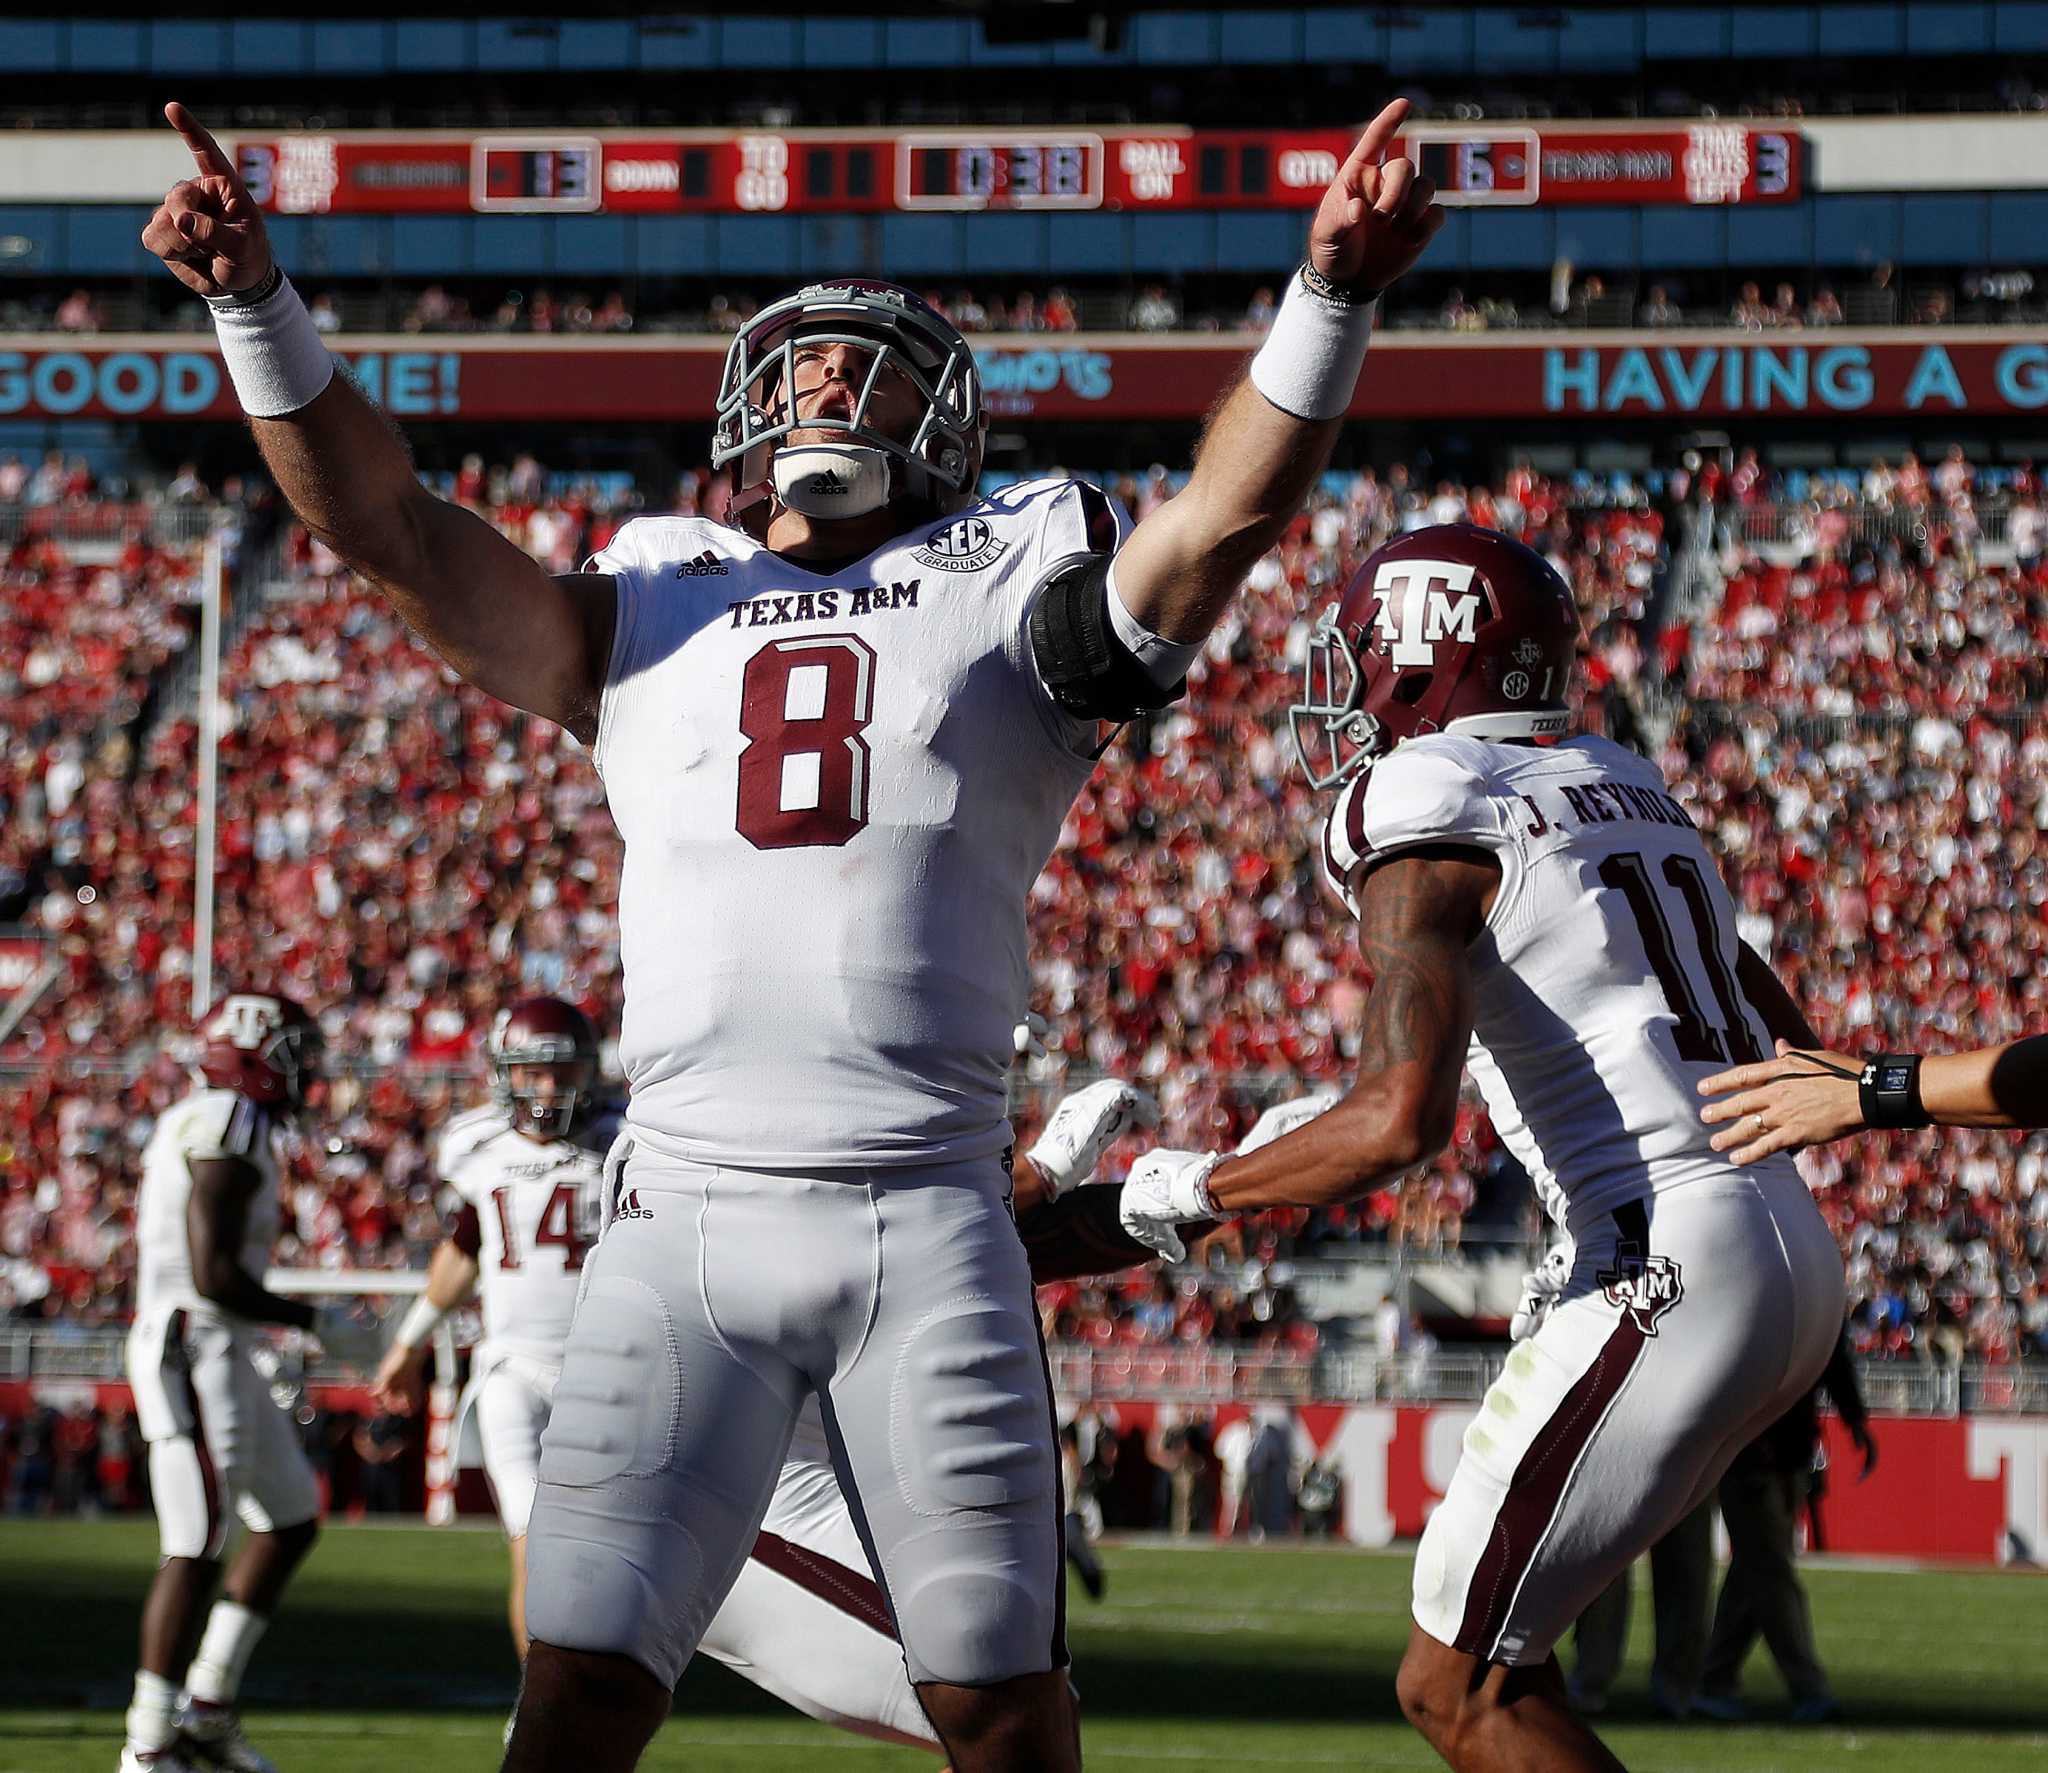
(629, 1206)
(707, 565)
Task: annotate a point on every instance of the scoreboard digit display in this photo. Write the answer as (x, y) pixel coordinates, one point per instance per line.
(1477, 168)
(536, 174)
(1040, 171)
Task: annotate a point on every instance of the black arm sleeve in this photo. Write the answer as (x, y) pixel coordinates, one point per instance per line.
(1081, 1235)
(1086, 668)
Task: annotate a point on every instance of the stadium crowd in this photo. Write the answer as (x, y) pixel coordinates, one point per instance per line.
(1568, 295)
(1853, 714)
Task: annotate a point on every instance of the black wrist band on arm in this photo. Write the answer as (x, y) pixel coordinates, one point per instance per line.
(260, 291)
(1889, 1092)
(1345, 295)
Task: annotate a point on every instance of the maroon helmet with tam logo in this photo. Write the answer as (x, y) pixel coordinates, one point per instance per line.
(261, 1046)
(860, 466)
(1453, 629)
(548, 1035)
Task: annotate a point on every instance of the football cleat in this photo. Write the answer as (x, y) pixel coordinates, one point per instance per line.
(170, 1759)
(211, 1736)
(1723, 1708)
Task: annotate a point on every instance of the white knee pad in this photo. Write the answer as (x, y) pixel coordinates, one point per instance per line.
(608, 1569)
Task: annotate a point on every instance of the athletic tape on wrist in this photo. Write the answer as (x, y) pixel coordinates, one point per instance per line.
(1165, 661)
(421, 1320)
(274, 353)
(1311, 360)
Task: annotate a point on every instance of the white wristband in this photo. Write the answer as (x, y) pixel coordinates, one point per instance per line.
(1165, 661)
(1310, 363)
(421, 1320)
(274, 353)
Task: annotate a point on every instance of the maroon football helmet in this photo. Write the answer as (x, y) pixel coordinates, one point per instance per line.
(262, 1046)
(547, 1035)
(1453, 629)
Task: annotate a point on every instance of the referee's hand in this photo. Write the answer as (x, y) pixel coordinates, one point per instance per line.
(1798, 1099)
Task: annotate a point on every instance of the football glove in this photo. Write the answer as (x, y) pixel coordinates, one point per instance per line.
(1283, 1117)
(1165, 1190)
(1028, 1037)
(1084, 1126)
(1541, 1288)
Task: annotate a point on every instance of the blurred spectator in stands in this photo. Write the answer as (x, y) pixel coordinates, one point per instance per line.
(78, 312)
(1749, 311)
(46, 484)
(13, 478)
(1024, 315)
(185, 486)
(967, 312)
(379, 1443)
(1784, 310)
(2027, 530)
(1586, 296)
(1825, 309)
(612, 314)
(1933, 307)
(1154, 310)
(326, 316)
(1459, 315)
(1259, 311)
(433, 310)
(1059, 313)
(1658, 309)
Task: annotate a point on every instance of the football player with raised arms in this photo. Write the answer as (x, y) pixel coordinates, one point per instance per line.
(1538, 909)
(205, 1217)
(839, 739)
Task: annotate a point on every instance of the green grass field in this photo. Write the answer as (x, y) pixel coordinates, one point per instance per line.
(391, 1652)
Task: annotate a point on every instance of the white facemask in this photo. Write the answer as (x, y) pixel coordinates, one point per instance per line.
(831, 479)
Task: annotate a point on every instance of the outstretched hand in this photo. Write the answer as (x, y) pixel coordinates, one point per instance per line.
(1798, 1099)
(208, 229)
(1378, 214)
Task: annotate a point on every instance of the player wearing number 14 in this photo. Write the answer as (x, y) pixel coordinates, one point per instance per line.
(1538, 910)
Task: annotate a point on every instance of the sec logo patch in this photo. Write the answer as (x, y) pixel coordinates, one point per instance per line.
(965, 546)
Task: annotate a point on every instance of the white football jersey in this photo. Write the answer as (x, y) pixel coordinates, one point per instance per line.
(208, 1123)
(835, 789)
(1604, 985)
(537, 1210)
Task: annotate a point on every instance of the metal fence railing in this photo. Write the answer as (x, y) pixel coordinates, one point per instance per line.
(1204, 1375)
(107, 522)
(1793, 523)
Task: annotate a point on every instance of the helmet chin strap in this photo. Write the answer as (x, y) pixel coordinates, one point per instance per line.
(831, 479)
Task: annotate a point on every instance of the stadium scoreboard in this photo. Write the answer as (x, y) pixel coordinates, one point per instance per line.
(1122, 170)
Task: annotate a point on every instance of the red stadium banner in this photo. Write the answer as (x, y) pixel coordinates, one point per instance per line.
(1104, 377)
(1169, 168)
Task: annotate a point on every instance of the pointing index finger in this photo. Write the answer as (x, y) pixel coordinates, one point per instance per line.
(212, 158)
(1379, 134)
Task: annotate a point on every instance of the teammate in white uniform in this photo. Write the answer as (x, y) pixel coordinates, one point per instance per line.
(1547, 914)
(205, 1217)
(805, 1619)
(528, 1168)
(838, 741)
